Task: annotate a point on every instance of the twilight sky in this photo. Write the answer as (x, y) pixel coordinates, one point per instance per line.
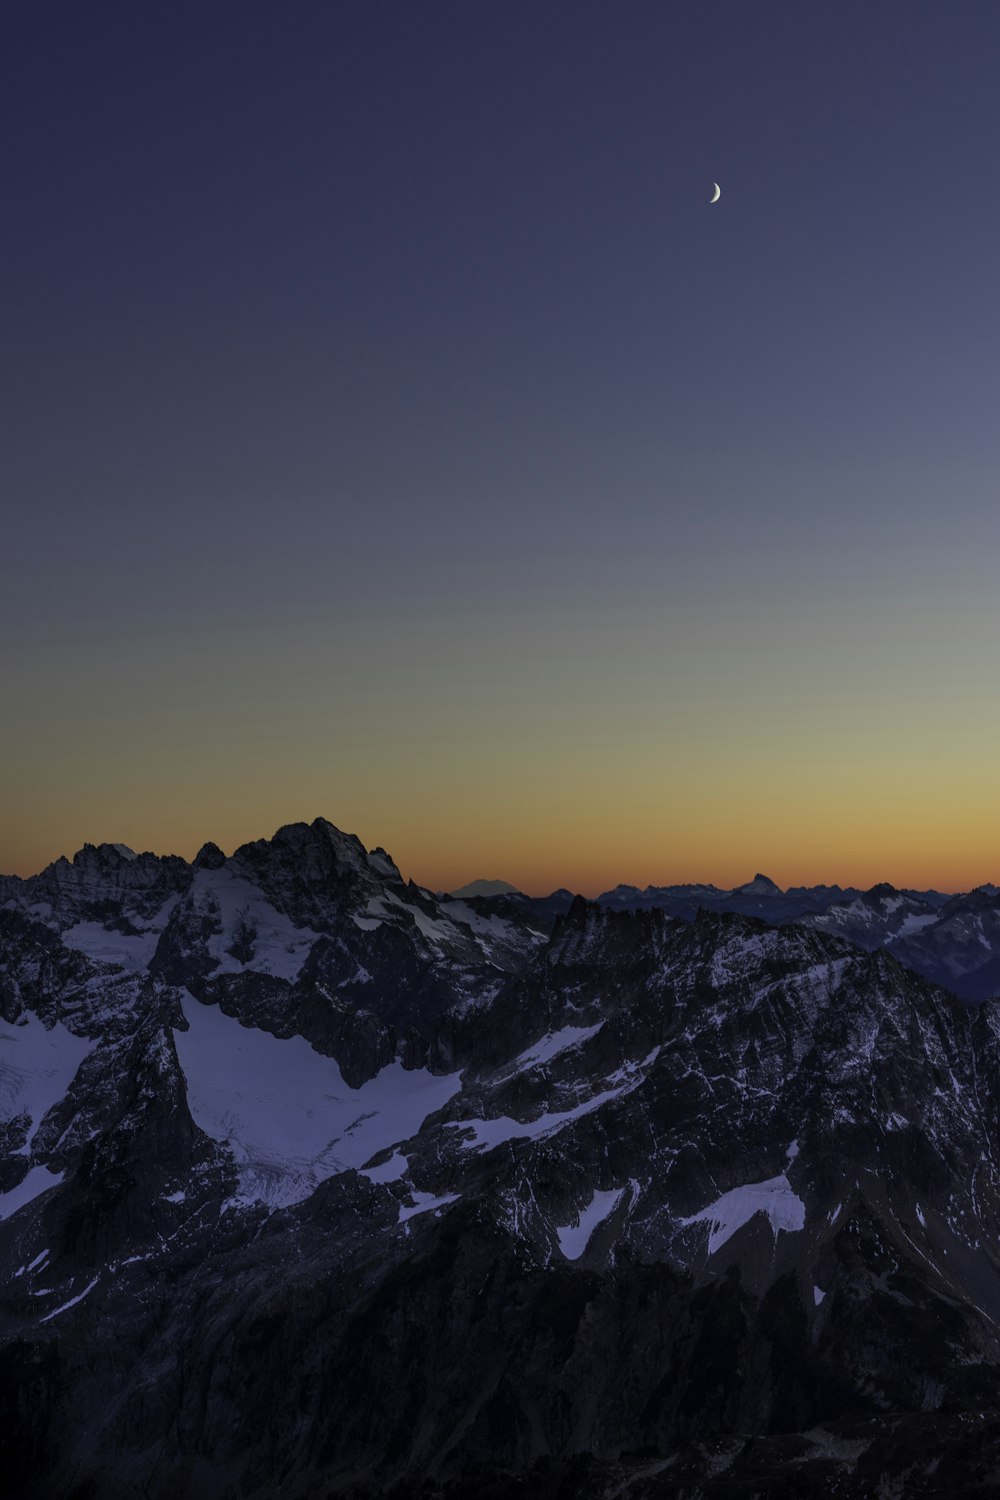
(391, 430)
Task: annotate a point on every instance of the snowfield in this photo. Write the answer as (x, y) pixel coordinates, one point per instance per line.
(574, 1238)
(284, 1109)
(36, 1069)
(784, 1209)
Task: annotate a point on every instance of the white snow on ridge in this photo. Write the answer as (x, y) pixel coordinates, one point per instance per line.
(493, 926)
(72, 1301)
(727, 1214)
(423, 1203)
(278, 946)
(503, 1128)
(433, 930)
(552, 1044)
(106, 946)
(288, 1116)
(574, 1238)
(36, 1069)
(913, 923)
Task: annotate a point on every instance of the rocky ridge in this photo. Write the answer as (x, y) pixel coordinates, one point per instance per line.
(317, 1184)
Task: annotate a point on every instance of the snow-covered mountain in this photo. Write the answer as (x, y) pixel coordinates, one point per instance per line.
(962, 948)
(875, 918)
(955, 943)
(312, 1183)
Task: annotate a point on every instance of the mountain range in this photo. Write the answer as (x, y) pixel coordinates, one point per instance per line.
(317, 1183)
(951, 939)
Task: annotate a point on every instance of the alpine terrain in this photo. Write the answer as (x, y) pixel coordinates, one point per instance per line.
(314, 1183)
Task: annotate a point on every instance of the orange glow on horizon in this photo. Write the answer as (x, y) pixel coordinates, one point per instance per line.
(594, 859)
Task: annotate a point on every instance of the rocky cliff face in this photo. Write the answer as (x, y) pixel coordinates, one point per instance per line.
(314, 1184)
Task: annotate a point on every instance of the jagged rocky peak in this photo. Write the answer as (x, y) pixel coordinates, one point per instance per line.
(382, 861)
(108, 883)
(209, 857)
(589, 933)
(305, 869)
(982, 898)
(881, 891)
(760, 885)
(316, 852)
(103, 854)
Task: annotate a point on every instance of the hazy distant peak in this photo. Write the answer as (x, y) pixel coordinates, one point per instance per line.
(486, 888)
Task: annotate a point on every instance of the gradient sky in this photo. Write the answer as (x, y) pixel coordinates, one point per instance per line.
(391, 430)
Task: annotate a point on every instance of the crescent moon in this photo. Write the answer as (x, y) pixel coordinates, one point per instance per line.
(717, 193)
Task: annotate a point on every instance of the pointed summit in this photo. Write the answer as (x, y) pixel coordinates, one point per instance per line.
(760, 885)
(881, 892)
(209, 857)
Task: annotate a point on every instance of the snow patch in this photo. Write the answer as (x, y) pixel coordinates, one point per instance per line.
(485, 928)
(431, 928)
(913, 923)
(552, 1044)
(108, 947)
(72, 1301)
(285, 1111)
(784, 1209)
(574, 1238)
(130, 950)
(390, 1171)
(37, 1264)
(423, 1203)
(503, 1128)
(275, 944)
(36, 1069)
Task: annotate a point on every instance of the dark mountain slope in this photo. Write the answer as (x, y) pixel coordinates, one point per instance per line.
(590, 1213)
